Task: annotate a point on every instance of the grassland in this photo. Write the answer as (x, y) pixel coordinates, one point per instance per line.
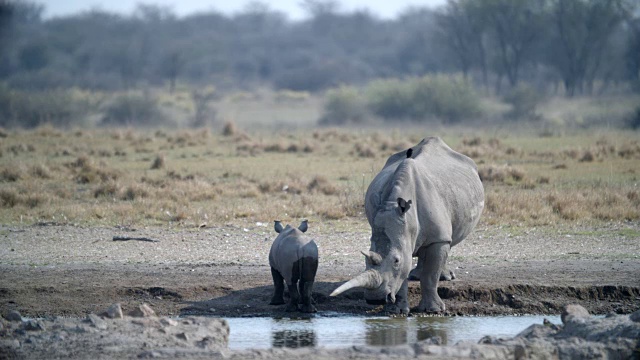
(232, 175)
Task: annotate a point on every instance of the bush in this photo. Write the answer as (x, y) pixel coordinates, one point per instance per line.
(523, 100)
(634, 119)
(390, 99)
(32, 109)
(342, 106)
(449, 98)
(133, 109)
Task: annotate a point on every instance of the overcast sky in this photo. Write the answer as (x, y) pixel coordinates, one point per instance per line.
(383, 8)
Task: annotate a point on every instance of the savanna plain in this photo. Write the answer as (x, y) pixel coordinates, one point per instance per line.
(183, 219)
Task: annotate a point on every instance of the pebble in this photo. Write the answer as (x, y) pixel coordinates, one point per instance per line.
(142, 311)
(114, 312)
(97, 322)
(13, 315)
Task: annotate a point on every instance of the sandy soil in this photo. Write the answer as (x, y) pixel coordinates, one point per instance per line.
(50, 269)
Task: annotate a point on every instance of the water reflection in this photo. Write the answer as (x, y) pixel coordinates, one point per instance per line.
(396, 331)
(385, 332)
(343, 331)
(294, 338)
(433, 328)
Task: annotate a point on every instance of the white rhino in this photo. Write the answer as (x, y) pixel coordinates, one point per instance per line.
(424, 201)
(293, 259)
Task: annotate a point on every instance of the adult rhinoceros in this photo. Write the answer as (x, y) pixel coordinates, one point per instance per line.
(424, 201)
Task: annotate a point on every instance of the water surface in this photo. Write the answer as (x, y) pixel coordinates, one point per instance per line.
(335, 331)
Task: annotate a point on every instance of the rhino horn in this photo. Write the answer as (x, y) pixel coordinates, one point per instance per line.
(277, 226)
(374, 257)
(369, 279)
(303, 226)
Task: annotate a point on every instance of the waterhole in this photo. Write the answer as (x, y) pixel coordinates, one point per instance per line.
(335, 331)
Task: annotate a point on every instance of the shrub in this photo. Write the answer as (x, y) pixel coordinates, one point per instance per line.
(449, 98)
(524, 100)
(389, 99)
(634, 120)
(31, 109)
(342, 106)
(133, 109)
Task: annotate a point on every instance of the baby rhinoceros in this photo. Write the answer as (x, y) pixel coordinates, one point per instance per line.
(294, 260)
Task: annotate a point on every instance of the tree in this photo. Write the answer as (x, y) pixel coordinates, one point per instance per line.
(514, 27)
(171, 65)
(633, 52)
(462, 30)
(583, 30)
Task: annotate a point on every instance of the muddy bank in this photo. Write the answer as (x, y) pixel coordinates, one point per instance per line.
(245, 290)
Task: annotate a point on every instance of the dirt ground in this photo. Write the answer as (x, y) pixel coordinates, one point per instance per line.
(50, 269)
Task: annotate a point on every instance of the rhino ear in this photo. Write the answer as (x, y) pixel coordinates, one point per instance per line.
(303, 226)
(403, 205)
(277, 226)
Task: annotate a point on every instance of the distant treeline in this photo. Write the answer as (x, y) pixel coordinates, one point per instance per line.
(566, 47)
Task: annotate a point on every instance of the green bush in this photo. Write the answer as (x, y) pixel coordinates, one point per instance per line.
(524, 101)
(449, 98)
(131, 110)
(342, 106)
(31, 109)
(390, 99)
(634, 119)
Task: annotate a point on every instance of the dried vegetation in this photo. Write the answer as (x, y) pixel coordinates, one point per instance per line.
(191, 178)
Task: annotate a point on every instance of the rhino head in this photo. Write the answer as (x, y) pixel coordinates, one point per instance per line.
(388, 262)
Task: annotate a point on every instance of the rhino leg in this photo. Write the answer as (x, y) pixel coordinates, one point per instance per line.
(414, 275)
(435, 259)
(306, 288)
(445, 275)
(278, 284)
(307, 276)
(294, 297)
(401, 306)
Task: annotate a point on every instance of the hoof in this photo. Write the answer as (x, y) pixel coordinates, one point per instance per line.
(431, 307)
(447, 275)
(308, 309)
(276, 302)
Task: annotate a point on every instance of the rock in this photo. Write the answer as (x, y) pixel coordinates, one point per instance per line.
(33, 325)
(537, 331)
(13, 315)
(9, 344)
(182, 336)
(574, 313)
(142, 311)
(168, 322)
(113, 312)
(97, 322)
(635, 317)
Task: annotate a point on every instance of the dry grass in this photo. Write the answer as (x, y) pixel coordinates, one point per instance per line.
(128, 177)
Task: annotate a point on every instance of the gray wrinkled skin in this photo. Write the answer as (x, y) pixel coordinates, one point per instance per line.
(293, 259)
(424, 201)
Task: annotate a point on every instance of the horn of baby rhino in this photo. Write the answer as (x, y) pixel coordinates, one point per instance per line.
(303, 226)
(369, 279)
(277, 226)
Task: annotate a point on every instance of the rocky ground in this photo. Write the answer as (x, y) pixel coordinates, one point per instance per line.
(60, 270)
